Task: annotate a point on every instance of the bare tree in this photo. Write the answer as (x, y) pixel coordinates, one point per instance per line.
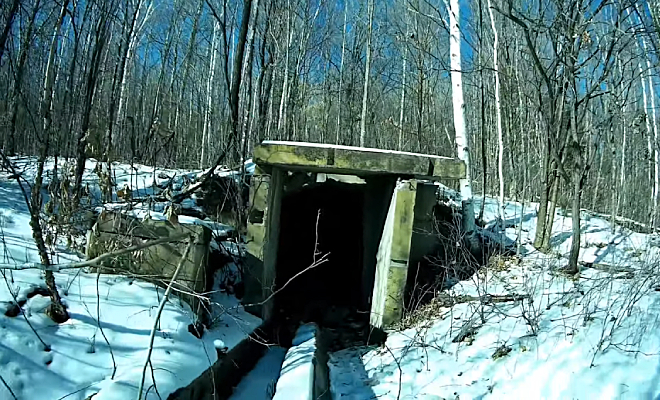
(462, 141)
(367, 66)
(9, 21)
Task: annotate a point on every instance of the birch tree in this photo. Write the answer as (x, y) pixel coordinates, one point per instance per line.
(367, 66)
(498, 111)
(461, 136)
(209, 96)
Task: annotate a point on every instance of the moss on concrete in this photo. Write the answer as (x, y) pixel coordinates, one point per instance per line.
(356, 161)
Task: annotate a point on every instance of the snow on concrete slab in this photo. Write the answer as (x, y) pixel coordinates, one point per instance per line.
(296, 380)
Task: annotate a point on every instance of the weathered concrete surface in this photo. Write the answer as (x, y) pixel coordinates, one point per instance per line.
(219, 380)
(395, 224)
(393, 257)
(262, 240)
(424, 235)
(377, 197)
(335, 159)
(114, 231)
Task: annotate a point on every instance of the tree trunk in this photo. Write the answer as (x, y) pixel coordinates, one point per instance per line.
(650, 147)
(56, 310)
(542, 214)
(282, 120)
(8, 24)
(367, 66)
(575, 243)
(550, 216)
(10, 148)
(341, 74)
(209, 96)
(462, 142)
(403, 85)
(247, 75)
(482, 117)
(187, 63)
(101, 32)
(498, 110)
(654, 122)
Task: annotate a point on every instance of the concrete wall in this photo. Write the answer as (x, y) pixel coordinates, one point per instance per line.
(114, 231)
(424, 235)
(219, 380)
(392, 260)
(262, 240)
(377, 198)
(397, 234)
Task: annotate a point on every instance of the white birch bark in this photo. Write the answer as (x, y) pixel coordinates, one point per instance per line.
(648, 124)
(281, 122)
(498, 110)
(654, 124)
(209, 96)
(461, 138)
(403, 85)
(367, 66)
(341, 72)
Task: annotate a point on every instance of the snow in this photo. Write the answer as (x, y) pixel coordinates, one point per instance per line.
(79, 362)
(597, 337)
(259, 384)
(296, 380)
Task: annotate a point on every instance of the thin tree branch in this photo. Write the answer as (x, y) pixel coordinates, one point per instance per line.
(8, 388)
(93, 261)
(163, 301)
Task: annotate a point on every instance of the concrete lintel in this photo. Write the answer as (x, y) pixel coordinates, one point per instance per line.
(335, 159)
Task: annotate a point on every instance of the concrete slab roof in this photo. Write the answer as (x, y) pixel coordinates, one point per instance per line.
(336, 159)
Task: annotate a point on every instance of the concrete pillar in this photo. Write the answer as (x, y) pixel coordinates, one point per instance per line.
(271, 244)
(393, 256)
(262, 240)
(377, 196)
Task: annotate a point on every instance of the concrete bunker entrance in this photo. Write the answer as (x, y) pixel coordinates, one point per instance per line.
(321, 221)
(366, 225)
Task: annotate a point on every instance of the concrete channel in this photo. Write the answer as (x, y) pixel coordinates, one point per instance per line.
(250, 369)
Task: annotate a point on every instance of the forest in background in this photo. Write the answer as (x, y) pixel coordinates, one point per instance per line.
(559, 96)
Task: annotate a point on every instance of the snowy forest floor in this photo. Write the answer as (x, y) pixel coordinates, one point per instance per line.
(597, 336)
(593, 337)
(80, 363)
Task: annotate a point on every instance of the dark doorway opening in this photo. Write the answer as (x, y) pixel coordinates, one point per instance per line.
(327, 218)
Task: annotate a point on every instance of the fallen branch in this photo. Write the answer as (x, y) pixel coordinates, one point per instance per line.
(445, 300)
(608, 268)
(178, 198)
(163, 301)
(93, 261)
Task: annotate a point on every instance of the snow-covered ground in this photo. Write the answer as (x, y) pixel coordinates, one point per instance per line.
(597, 337)
(80, 361)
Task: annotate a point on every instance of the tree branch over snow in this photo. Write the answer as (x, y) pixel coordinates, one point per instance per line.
(93, 261)
(8, 388)
(160, 311)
